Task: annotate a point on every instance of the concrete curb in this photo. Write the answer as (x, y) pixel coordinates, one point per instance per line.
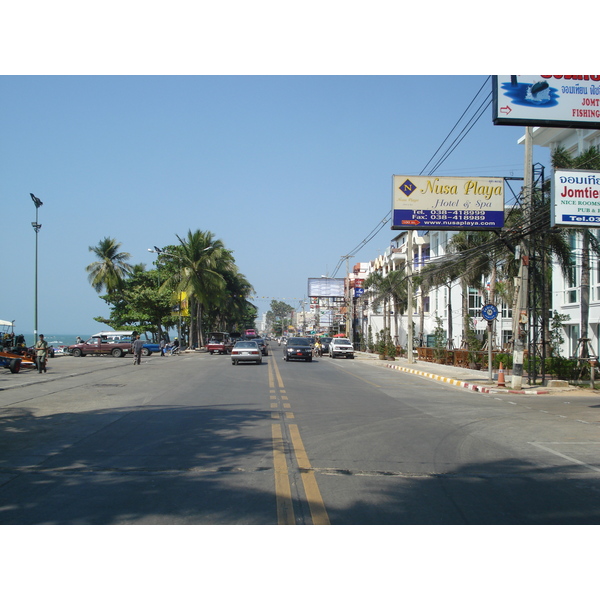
(475, 387)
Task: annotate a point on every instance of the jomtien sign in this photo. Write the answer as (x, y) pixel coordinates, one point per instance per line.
(547, 100)
(576, 198)
(452, 203)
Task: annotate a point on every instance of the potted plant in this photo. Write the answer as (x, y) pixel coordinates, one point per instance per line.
(380, 346)
(439, 336)
(391, 350)
(473, 346)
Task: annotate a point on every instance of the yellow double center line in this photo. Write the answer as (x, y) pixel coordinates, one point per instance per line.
(283, 488)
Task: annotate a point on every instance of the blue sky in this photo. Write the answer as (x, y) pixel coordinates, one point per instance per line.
(291, 172)
(276, 126)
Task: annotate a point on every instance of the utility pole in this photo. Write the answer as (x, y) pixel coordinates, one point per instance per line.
(409, 308)
(348, 299)
(521, 319)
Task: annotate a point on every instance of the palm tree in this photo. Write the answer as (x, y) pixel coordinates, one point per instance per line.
(111, 268)
(438, 273)
(374, 291)
(472, 266)
(391, 290)
(233, 304)
(204, 260)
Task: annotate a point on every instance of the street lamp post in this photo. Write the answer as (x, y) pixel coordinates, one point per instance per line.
(36, 226)
(159, 251)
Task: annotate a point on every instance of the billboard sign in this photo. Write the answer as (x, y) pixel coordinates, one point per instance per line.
(575, 198)
(547, 100)
(326, 287)
(452, 203)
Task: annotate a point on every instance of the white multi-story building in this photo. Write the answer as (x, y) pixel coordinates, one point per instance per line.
(441, 305)
(566, 292)
(445, 303)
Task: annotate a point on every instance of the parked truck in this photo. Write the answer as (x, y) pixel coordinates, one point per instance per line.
(219, 342)
(115, 343)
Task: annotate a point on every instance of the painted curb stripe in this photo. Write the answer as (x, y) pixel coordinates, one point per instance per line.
(475, 387)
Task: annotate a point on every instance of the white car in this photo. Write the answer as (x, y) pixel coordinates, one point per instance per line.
(341, 347)
(246, 351)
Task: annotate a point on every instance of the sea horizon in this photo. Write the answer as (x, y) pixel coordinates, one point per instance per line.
(62, 339)
(56, 339)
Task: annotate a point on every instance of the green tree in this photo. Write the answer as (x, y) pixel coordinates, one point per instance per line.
(111, 268)
(390, 290)
(200, 256)
(280, 311)
(140, 304)
(202, 267)
(231, 310)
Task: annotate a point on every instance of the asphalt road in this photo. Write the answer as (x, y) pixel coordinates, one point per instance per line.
(195, 440)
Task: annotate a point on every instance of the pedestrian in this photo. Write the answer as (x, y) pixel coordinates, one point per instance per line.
(41, 353)
(79, 340)
(137, 347)
(163, 345)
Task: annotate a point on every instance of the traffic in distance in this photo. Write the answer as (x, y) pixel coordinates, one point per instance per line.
(294, 348)
(240, 347)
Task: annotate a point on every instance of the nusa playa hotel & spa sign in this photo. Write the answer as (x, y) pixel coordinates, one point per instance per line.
(576, 198)
(452, 203)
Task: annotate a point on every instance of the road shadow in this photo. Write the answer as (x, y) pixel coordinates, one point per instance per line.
(507, 492)
(214, 465)
(150, 464)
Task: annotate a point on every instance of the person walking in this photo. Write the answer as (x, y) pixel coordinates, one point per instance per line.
(163, 344)
(41, 353)
(137, 347)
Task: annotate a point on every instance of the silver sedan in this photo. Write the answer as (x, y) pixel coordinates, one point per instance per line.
(246, 351)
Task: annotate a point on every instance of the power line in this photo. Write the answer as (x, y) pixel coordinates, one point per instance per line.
(457, 140)
(455, 126)
(455, 144)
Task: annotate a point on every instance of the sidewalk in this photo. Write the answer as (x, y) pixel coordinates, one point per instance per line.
(477, 381)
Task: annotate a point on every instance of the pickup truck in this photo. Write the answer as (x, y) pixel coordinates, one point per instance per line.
(115, 345)
(219, 342)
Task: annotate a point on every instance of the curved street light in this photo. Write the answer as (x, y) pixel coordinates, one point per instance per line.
(36, 226)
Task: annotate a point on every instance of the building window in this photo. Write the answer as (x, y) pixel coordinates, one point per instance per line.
(595, 279)
(445, 302)
(507, 335)
(572, 338)
(433, 243)
(571, 283)
(474, 303)
(426, 304)
(506, 311)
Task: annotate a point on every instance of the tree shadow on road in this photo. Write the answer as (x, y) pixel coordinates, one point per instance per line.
(137, 465)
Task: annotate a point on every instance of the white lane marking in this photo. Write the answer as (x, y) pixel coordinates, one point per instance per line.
(569, 458)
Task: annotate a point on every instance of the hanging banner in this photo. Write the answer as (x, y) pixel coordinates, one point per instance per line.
(453, 203)
(182, 309)
(575, 198)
